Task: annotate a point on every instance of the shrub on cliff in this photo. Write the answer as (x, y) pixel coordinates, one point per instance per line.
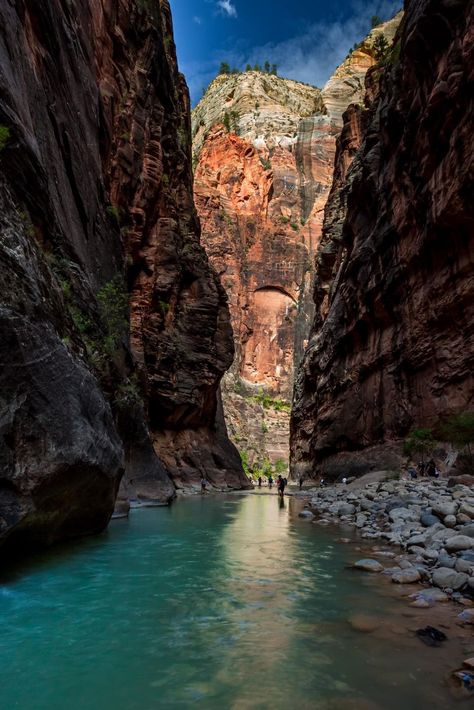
(459, 431)
(224, 68)
(420, 441)
(381, 48)
(4, 136)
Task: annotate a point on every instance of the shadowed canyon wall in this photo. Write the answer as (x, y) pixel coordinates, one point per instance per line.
(97, 224)
(391, 346)
(264, 152)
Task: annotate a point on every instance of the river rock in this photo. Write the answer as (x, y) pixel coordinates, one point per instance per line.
(427, 520)
(432, 595)
(306, 514)
(467, 616)
(406, 576)
(444, 508)
(446, 578)
(346, 509)
(463, 566)
(467, 530)
(459, 543)
(368, 565)
(450, 521)
(445, 560)
(467, 509)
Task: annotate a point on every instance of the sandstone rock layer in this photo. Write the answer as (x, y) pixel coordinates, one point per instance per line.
(391, 346)
(97, 221)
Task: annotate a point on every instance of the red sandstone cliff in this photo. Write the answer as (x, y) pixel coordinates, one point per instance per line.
(97, 221)
(261, 186)
(392, 346)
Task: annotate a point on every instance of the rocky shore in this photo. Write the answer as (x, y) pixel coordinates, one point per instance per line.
(432, 522)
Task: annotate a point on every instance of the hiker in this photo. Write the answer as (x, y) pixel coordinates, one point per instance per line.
(259, 481)
(421, 468)
(203, 485)
(281, 486)
(322, 483)
(344, 481)
(270, 481)
(412, 472)
(301, 481)
(431, 469)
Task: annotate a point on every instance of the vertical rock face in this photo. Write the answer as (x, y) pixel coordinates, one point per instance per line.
(264, 153)
(391, 344)
(260, 197)
(96, 190)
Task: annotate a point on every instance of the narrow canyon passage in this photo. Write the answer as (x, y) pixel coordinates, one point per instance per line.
(216, 602)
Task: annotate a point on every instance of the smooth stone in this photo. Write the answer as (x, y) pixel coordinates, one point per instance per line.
(464, 565)
(445, 560)
(467, 616)
(346, 509)
(431, 595)
(364, 623)
(467, 509)
(446, 578)
(306, 514)
(444, 508)
(427, 520)
(421, 604)
(468, 555)
(450, 521)
(463, 519)
(467, 530)
(406, 576)
(459, 543)
(368, 565)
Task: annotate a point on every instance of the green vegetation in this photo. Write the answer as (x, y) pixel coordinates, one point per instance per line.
(381, 48)
(264, 426)
(375, 21)
(165, 181)
(294, 226)
(459, 431)
(266, 163)
(281, 466)
(224, 68)
(420, 441)
(113, 309)
(267, 402)
(5, 135)
(127, 394)
(114, 213)
(263, 468)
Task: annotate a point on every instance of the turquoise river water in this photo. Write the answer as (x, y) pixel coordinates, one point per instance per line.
(215, 602)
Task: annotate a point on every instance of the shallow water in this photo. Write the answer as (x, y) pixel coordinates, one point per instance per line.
(216, 602)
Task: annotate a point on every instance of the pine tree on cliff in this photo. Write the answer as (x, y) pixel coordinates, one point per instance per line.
(381, 48)
(274, 69)
(267, 66)
(224, 68)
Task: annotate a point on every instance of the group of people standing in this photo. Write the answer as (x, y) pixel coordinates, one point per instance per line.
(424, 469)
(281, 483)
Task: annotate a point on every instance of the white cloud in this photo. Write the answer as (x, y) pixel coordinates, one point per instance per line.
(313, 55)
(197, 20)
(227, 8)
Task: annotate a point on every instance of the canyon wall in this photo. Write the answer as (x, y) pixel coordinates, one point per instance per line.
(264, 152)
(391, 346)
(98, 230)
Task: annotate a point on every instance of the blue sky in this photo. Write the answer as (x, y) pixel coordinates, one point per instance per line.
(306, 38)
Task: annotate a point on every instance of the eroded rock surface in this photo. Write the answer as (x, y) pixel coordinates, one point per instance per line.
(391, 344)
(96, 215)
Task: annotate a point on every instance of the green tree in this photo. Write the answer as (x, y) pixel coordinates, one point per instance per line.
(266, 66)
(275, 69)
(257, 67)
(459, 431)
(248, 67)
(113, 309)
(375, 21)
(420, 441)
(224, 68)
(381, 48)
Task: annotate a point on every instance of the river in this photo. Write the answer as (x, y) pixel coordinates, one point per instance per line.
(216, 602)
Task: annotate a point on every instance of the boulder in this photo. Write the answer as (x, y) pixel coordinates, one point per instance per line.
(427, 520)
(467, 616)
(368, 565)
(467, 509)
(450, 521)
(406, 576)
(446, 578)
(443, 508)
(459, 543)
(307, 514)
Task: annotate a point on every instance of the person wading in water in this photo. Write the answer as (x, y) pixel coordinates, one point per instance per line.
(281, 486)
